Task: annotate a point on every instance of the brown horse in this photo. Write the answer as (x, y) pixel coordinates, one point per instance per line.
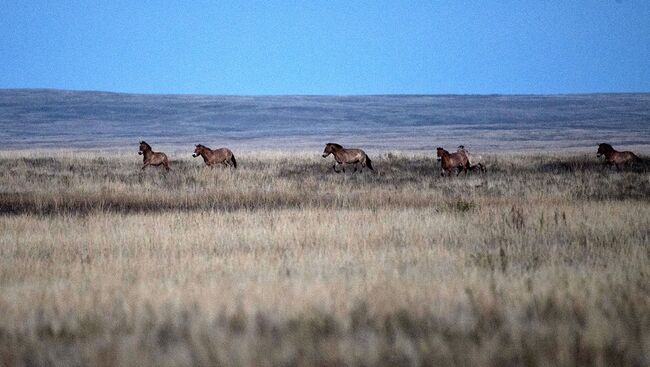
(474, 161)
(152, 158)
(218, 156)
(347, 156)
(449, 161)
(615, 157)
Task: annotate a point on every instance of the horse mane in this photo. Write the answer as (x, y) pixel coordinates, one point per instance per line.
(202, 146)
(146, 145)
(443, 150)
(335, 146)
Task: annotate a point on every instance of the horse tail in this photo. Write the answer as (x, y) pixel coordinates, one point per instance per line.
(233, 160)
(369, 163)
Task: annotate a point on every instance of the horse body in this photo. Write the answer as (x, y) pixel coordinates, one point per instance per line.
(449, 161)
(473, 161)
(151, 158)
(615, 157)
(217, 156)
(347, 156)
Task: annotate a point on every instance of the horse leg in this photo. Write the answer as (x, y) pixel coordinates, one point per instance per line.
(334, 168)
(145, 165)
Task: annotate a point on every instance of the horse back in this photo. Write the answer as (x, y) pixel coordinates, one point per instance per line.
(626, 156)
(451, 160)
(159, 157)
(155, 158)
(351, 155)
(459, 158)
(225, 151)
(220, 155)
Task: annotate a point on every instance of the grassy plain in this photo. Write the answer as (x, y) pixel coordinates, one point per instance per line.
(545, 260)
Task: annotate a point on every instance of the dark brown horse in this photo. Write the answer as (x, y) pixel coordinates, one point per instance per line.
(450, 161)
(152, 158)
(615, 157)
(218, 156)
(347, 156)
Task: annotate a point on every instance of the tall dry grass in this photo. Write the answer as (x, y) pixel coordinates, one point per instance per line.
(543, 261)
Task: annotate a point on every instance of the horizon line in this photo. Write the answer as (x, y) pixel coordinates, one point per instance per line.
(319, 95)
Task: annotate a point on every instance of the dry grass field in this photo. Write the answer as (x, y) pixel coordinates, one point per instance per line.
(545, 260)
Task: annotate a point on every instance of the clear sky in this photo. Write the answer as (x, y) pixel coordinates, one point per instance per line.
(327, 47)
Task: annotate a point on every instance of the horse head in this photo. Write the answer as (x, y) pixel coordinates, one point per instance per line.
(198, 150)
(330, 148)
(440, 152)
(143, 147)
(604, 149)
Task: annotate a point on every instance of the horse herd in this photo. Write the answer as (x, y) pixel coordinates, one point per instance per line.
(461, 160)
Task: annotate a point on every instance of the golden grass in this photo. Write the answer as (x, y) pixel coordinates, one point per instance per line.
(543, 261)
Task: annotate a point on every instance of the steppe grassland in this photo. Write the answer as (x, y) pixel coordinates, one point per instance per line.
(544, 260)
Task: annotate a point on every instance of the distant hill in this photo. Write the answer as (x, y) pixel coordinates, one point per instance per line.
(99, 120)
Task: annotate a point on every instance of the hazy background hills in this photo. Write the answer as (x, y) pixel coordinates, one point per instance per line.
(53, 119)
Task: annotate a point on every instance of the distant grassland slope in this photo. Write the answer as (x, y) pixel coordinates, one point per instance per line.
(52, 119)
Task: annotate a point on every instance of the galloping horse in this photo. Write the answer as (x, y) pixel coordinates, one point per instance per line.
(347, 156)
(449, 161)
(615, 157)
(474, 161)
(152, 158)
(218, 156)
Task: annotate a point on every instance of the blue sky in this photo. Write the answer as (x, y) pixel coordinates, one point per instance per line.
(327, 47)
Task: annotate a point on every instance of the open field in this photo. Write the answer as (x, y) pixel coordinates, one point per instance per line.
(543, 261)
